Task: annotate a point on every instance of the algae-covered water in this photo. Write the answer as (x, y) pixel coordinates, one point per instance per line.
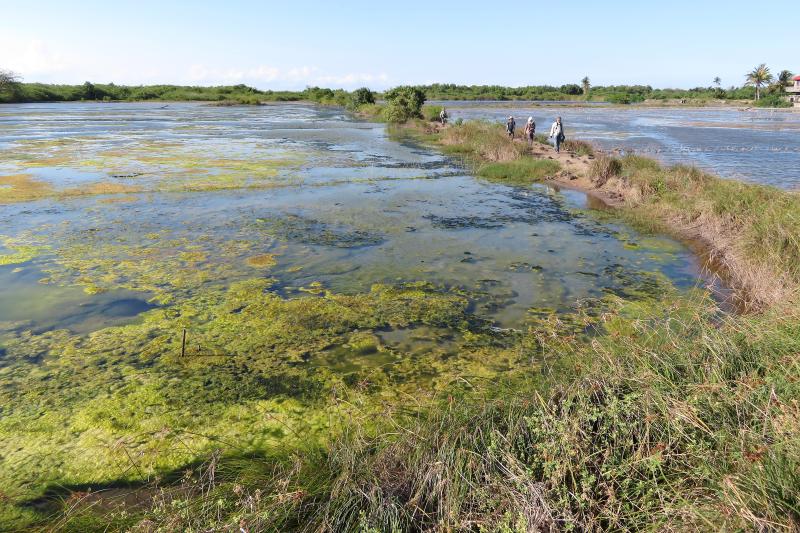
(303, 252)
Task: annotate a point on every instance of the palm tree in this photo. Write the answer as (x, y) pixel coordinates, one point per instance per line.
(784, 78)
(586, 85)
(718, 82)
(758, 78)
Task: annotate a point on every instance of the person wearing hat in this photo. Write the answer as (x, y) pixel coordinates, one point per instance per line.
(530, 131)
(510, 125)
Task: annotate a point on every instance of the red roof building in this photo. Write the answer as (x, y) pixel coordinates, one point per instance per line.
(794, 91)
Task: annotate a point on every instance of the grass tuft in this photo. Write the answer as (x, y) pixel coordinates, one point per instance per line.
(604, 168)
(520, 171)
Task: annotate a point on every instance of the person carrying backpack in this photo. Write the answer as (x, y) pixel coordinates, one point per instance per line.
(557, 134)
(510, 126)
(530, 131)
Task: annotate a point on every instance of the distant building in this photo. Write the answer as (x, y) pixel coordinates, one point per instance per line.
(793, 91)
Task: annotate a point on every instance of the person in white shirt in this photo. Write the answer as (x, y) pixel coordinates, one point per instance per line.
(557, 134)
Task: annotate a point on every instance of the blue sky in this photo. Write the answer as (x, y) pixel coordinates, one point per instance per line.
(289, 45)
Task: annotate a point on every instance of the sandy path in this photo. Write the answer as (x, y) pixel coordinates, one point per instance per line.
(575, 171)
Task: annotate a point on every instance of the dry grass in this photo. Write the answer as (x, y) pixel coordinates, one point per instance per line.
(580, 148)
(751, 231)
(483, 140)
(604, 168)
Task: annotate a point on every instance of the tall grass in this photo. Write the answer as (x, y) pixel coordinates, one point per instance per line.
(581, 148)
(483, 140)
(753, 229)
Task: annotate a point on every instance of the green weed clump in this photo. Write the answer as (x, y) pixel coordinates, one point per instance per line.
(773, 100)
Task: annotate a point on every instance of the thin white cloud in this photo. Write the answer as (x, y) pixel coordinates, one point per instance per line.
(38, 60)
(264, 75)
(33, 57)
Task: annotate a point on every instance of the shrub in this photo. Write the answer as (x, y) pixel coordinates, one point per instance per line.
(360, 97)
(403, 104)
(604, 168)
(773, 100)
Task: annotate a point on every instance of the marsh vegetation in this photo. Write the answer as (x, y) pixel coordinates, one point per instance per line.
(381, 337)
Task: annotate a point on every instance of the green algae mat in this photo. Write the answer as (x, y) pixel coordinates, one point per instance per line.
(176, 281)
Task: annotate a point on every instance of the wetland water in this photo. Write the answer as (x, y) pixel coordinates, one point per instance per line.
(758, 145)
(301, 248)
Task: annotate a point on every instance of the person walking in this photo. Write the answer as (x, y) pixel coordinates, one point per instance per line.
(510, 126)
(557, 134)
(530, 131)
(443, 116)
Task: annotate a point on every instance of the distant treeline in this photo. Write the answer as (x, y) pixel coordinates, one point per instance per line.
(41, 92)
(621, 94)
(243, 94)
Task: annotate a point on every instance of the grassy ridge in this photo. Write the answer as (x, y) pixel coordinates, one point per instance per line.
(750, 230)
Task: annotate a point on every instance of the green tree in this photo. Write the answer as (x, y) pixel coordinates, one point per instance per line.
(9, 85)
(784, 77)
(89, 92)
(361, 97)
(403, 103)
(759, 77)
(586, 85)
(718, 82)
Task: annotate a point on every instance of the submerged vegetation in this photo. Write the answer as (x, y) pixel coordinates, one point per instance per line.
(646, 408)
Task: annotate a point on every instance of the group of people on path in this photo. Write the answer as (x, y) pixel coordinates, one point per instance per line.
(556, 131)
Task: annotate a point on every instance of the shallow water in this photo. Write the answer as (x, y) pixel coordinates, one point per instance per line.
(172, 279)
(347, 207)
(762, 146)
